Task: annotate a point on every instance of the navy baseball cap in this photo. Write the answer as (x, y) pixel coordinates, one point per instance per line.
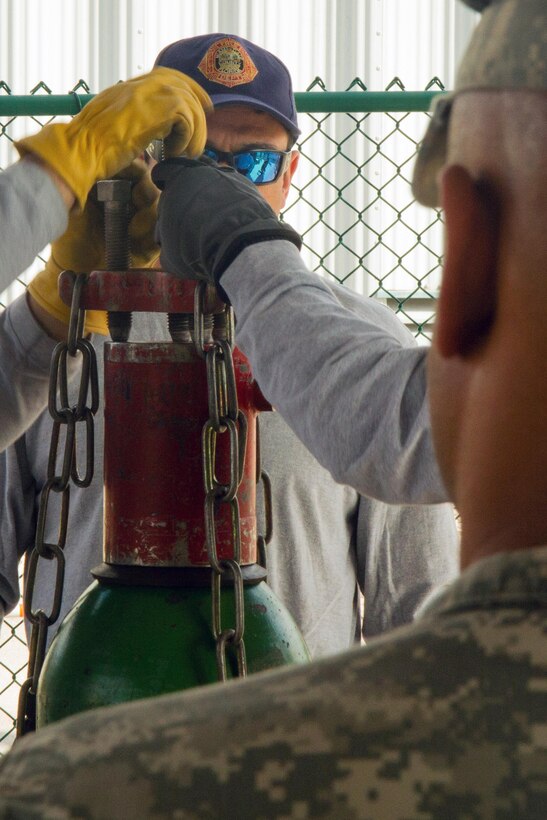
(235, 71)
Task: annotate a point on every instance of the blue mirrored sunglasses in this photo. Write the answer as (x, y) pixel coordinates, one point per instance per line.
(259, 165)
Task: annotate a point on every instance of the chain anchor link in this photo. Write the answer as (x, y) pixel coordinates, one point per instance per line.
(67, 417)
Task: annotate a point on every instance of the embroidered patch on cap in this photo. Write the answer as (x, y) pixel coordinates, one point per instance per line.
(227, 62)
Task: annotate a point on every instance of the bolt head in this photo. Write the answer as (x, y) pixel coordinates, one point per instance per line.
(114, 190)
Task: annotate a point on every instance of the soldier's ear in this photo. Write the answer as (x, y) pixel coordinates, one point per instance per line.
(467, 301)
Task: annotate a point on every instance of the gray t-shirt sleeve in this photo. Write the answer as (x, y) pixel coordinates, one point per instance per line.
(32, 213)
(403, 554)
(25, 353)
(351, 390)
(18, 497)
(25, 356)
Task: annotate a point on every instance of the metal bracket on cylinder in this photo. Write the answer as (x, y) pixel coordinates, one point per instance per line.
(137, 290)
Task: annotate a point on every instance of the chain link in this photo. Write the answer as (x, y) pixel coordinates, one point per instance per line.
(263, 480)
(67, 418)
(225, 418)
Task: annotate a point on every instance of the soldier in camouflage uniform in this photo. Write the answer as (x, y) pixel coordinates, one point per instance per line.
(447, 717)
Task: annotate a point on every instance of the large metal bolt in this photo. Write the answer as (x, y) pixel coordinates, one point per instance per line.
(179, 327)
(115, 194)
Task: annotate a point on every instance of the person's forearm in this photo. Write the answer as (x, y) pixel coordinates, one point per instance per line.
(67, 194)
(33, 212)
(353, 394)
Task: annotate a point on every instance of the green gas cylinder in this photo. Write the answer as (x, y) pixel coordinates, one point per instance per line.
(121, 643)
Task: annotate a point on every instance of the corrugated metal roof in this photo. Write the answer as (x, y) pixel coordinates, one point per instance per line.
(102, 41)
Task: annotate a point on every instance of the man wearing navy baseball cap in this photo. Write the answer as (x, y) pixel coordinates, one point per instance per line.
(252, 128)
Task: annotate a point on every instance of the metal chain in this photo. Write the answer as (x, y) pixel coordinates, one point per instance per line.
(225, 418)
(263, 479)
(225, 327)
(68, 418)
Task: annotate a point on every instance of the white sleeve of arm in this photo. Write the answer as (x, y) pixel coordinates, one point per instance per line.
(352, 391)
(32, 213)
(25, 355)
(403, 553)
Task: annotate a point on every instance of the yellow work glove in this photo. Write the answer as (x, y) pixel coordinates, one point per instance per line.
(81, 247)
(118, 124)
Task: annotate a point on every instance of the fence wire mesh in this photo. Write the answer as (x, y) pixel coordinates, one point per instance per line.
(350, 201)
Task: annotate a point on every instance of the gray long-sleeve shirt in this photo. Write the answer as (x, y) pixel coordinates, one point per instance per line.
(354, 394)
(32, 213)
(328, 542)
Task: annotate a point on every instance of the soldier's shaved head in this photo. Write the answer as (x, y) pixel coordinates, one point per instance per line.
(484, 161)
(508, 51)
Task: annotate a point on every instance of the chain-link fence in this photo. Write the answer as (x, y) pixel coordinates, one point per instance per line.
(351, 202)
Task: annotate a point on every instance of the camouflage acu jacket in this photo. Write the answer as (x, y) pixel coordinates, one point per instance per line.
(446, 718)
